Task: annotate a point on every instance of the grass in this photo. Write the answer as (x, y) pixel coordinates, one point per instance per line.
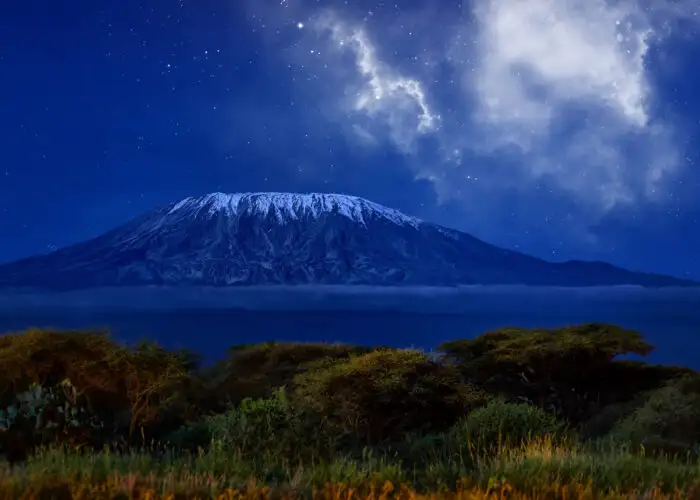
(535, 469)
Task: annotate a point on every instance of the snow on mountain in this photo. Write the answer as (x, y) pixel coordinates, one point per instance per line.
(288, 238)
(291, 206)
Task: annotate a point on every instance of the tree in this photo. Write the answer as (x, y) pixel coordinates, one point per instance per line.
(385, 394)
(48, 357)
(257, 370)
(150, 377)
(65, 371)
(572, 371)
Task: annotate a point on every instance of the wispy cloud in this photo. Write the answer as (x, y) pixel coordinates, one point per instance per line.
(381, 92)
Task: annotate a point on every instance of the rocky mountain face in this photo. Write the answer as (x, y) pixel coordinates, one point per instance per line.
(285, 238)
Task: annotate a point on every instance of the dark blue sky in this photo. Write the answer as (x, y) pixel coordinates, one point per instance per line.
(562, 128)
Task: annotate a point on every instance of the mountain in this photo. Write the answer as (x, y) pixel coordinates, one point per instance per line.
(286, 238)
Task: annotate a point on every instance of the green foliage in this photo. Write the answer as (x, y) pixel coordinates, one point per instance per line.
(428, 422)
(601, 424)
(191, 436)
(668, 420)
(122, 388)
(150, 378)
(47, 357)
(266, 426)
(255, 425)
(385, 394)
(591, 341)
(505, 424)
(44, 415)
(257, 370)
(44, 409)
(572, 371)
(353, 412)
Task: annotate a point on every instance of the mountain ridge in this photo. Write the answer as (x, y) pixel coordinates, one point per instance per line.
(268, 238)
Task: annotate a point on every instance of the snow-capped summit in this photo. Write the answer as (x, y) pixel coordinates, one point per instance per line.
(292, 206)
(288, 238)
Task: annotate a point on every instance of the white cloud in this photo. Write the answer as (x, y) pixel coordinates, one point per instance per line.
(363, 135)
(383, 93)
(533, 93)
(578, 50)
(536, 61)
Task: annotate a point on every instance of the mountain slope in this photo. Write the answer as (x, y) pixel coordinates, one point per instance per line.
(285, 238)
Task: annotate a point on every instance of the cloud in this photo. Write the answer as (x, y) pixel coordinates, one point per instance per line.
(381, 92)
(541, 100)
(363, 135)
(565, 81)
(576, 50)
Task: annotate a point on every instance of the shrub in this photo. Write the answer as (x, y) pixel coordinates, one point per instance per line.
(502, 423)
(604, 421)
(191, 436)
(43, 416)
(254, 427)
(385, 394)
(669, 419)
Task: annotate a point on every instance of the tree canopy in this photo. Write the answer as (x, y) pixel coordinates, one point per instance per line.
(358, 394)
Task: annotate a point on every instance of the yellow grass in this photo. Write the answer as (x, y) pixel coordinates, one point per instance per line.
(204, 486)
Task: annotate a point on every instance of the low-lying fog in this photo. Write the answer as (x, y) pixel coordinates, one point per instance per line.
(462, 299)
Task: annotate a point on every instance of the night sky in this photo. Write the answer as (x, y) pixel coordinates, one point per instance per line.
(561, 128)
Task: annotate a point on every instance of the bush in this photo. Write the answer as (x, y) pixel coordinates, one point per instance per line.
(502, 423)
(669, 419)
(256, 425)
(601, 424)
(191, 436)
(266, 426)
(45, 416)
(383, 395)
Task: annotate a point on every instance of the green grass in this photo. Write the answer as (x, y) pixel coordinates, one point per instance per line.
(529, 467)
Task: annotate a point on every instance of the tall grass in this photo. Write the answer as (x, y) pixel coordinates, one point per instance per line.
(539, 468)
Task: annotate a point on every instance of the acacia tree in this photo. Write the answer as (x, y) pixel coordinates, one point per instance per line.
(150, 377)
(48, 357)
(383, 395)
(49, 361)
(257, 370)
(572, 371)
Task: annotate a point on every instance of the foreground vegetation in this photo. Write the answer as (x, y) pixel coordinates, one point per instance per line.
(513, 413)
